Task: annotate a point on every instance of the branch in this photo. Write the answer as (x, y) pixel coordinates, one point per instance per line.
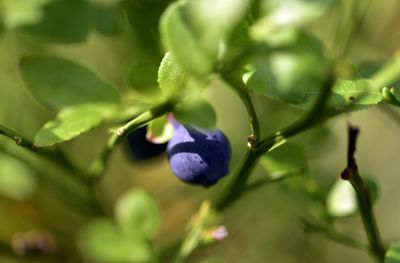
(237, 184)
(98, 166)
(351, 174)
(332, 235)
(54, 155)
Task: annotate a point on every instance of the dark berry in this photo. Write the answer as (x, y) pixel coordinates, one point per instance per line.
(140, 148)
(198, 156)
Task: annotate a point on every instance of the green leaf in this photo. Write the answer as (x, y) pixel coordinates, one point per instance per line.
(68, 21)
(279, 15)
(144, 16)
(160, 130)
(17, 180)
(19, 13)
(104, 3)
(294, 74)
(57, 83)
(177, 37)
(285, 160)
(171, 76)
(393, 253)
(137, 214)
(108, 21)
(291, 72)
(71, 122)
(354, 95)
(103, 241)
(143, 78)
(194, 30)
(197, 112)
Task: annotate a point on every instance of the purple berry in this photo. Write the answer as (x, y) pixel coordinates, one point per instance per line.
(139, 148)
(198, 156)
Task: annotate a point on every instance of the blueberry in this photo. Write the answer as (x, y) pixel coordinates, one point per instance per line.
(198, 156)
(140, 148)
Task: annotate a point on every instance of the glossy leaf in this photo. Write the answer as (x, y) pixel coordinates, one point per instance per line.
(17, 180)
(291, 72)
(137, 214)
(171, 76)
(393, 253)
(103, 241)
(194, 31)
(57, 83)
(294, 74)
(71, 122)
(199, 113)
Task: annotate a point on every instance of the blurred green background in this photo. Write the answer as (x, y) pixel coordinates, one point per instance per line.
(264, 226)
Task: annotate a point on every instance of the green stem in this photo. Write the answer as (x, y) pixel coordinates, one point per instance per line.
(56, 155)
(238, 181)
(237, 184)
(368, 217)
(333, 235)
(77, 197)
(351, 174)
(98, 166)
(241, 90)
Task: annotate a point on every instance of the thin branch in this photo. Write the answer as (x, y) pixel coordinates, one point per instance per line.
(333, 235)
(54, 155)
(237, 183)
(240, 88)
(351, 174)
(98, 166)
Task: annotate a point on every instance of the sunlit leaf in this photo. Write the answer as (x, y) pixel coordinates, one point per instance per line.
(137, 214)
(103, 241)
(195, 30)
(71, 122)
(171, 76)
(22, 13)
(17, 180)
(57, 83)
(291, 72)
(279, 15)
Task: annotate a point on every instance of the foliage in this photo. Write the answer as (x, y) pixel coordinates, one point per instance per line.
(294, 66)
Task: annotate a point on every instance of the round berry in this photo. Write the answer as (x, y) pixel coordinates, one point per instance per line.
(198, 156)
